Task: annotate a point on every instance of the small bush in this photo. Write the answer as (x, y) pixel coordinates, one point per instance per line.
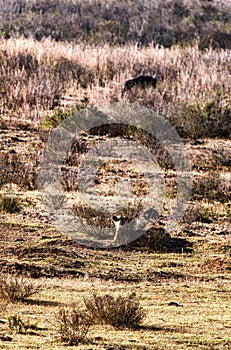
(201, 118)
(55, 118)
(121, 312)
(211, 187)
(15, 171)
(73, 326)
(9, 204)
(14, 288)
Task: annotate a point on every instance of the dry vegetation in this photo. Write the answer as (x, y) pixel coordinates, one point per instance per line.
(99, 21)
(193, 86)
(14, 288)
(161, 291)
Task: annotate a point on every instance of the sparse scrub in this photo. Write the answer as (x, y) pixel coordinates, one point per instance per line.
(73, 326)
(120, 312)
(14, 288)
(99, 22)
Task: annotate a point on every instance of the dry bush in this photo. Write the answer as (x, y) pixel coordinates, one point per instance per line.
(192, 214)
(211, 187)
(120, 312)
(93, 217)
(209, 118)
(14, 170)
(198, 213)
(10, 204)
(222, 157)
(14, 288)
(73, 326)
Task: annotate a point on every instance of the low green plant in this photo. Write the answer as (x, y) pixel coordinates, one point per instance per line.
(17, 325)
(120, 312)
(56, 117)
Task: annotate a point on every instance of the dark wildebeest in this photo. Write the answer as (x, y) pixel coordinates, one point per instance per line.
(142, 81)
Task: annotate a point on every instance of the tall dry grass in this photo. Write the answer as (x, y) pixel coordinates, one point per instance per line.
(193, 85)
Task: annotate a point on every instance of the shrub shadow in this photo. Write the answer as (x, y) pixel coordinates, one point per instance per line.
(42, 302)
(179, 245)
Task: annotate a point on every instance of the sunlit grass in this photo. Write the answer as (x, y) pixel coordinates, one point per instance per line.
(192, 85)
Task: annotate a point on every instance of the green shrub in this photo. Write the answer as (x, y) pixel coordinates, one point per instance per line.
(204, 119)
(56, 117)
